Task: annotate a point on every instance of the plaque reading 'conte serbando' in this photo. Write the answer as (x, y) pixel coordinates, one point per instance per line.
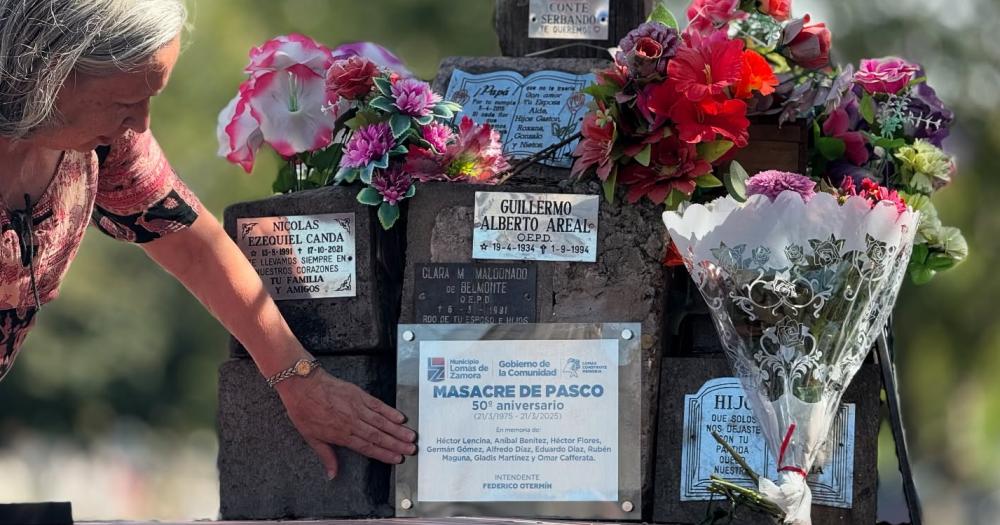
(720, 405)
(460, 293)
(535, 226)
(302, 256)
(569, 19)
(530, 113)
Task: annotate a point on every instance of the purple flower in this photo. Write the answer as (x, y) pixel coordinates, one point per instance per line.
(772, 183)
(438, 135)
(930, 119)
(885, 75)
(414, 97)
(647, 49)
(392, 183)
(367, 144)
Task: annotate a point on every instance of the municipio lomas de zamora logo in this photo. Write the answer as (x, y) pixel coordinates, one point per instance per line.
(435, 369)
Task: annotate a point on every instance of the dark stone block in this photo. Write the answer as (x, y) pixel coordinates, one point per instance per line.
(626, 284)
(266, 469)
(339, 325)
(685, 375)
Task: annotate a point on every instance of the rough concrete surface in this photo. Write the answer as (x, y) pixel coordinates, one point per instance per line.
(267, 471)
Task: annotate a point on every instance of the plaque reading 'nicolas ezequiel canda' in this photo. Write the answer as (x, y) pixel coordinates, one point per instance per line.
(302, 256)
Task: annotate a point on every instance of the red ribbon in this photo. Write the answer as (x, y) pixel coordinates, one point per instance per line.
(781, 454)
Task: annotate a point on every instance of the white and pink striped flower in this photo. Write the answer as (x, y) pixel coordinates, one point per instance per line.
(289, 104)
(285, 51)
(239, 132)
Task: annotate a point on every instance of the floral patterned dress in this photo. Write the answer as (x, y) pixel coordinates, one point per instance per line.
(132, 194)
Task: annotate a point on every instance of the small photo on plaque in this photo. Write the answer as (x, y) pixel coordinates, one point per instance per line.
(521, 420)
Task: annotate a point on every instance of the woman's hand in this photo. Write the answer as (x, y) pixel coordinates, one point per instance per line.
(328, 411)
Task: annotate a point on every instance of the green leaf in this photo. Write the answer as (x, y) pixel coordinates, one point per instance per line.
(921, 274)
(609, 185)
(708, 181)
(285, 181)
(940, 262)
(675, 199)
(399, 124)
(327, 158)
(831, 148)
(383, 104)
(401, 149)
(601, 91)
(384, 86)
(411, 191)
(714, 150)
(346, 175)
(382, 162)
(443, 111)
(735, 181)
(662, 15)
(370, 196)
(387, 215)
(868, 108)
(425, 120)
(366, 173)
(643, 156)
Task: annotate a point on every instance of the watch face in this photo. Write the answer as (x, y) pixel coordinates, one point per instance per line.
(303, 367)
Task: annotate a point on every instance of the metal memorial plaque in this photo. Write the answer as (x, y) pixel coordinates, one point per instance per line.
(568, 19)
(535, 226)
(521, 420)
(530, 113)
(461, 293)
(721, 406)
(301, 256)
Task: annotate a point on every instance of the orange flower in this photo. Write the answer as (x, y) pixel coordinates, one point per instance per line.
(756, 76)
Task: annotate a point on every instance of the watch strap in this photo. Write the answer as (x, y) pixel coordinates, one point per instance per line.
(291, 371)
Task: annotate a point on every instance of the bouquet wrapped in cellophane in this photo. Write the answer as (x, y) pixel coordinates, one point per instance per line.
(799, 285)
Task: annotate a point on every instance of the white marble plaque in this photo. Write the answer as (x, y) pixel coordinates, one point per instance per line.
(535, 226)
(302, 256)
(720, 405)
(568, 19)
(530, 113)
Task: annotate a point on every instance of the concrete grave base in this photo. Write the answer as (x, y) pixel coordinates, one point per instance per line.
(266, 469)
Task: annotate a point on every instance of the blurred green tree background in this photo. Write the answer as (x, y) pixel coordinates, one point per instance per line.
(125, 343)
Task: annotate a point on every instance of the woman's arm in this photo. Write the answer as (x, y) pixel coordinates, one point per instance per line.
(325, 410)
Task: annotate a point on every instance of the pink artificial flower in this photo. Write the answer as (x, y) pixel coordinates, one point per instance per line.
(701, 121)
(289, 104)
(594, 149)
(779, 10)
(872, 192)
(285, 51)
(811, 47)
(772, 183)
(838, 125)
(368, 144)
(705, 16)
(885, 75)
(392, 183)
(475, 155)
(350, 78)
(414, 97)
(239, 132)
(381, 56)
(438, 135)
(706, 65)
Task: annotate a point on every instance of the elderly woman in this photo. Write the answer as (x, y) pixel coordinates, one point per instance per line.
(76, 79)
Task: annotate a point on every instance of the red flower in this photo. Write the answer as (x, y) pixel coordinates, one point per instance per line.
(673, 257)
(673, 165)
(701, 121)
(838, 125)
(616, 74)
(779, 10)
(707, 15)
(350, 78)
(595, 147)
(811, 47)
(872, 192)
(706, 65)
(756, 75)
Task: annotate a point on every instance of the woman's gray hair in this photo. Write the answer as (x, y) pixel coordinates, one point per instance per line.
(43, 41)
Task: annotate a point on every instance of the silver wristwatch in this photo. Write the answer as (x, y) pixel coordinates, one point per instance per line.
(301, 368)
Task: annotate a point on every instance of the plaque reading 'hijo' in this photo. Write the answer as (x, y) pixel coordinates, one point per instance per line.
(460, 293)
(569, 19)
(302, 256)
(535, 226)
(720, 405)
(530, 113)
